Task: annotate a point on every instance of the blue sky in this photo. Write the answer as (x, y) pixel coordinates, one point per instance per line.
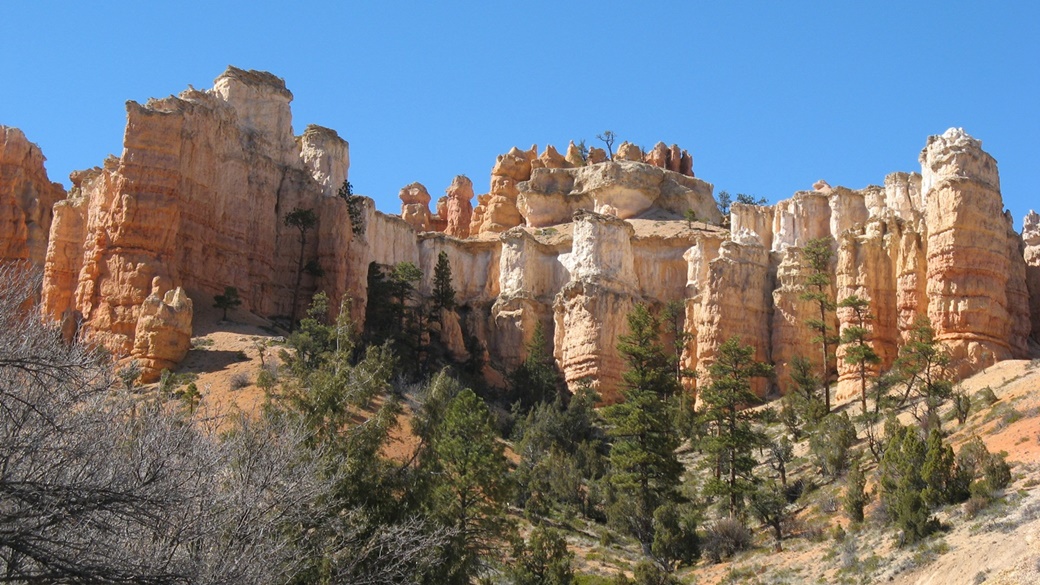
(767, 96)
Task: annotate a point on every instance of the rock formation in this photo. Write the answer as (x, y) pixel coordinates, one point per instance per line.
(968, 259)
(630, 189)
(163, 334)
(27, 197)
(198, 198)
(415, 206)
(1031, 239)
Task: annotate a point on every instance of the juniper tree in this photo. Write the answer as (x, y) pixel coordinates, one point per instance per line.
(816, 256)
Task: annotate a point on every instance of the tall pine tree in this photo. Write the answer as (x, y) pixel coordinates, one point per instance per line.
(644, 469)
(732, 431)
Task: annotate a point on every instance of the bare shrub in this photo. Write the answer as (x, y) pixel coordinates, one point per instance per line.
(100, 486)
(239, 381)
(725, 538)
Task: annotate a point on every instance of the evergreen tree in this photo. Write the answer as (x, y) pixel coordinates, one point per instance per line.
(537, 379)
(817, 256)
(443, 291)
(675, 535)
(543, 560)
(644, 469)
(802, 405)
(903, 487)
(470, 487)
(355, 207)
(769, 505)
(855, 338)
(650, 366)
(303, 220)
(733, 435)
(856, 496)
(228, 300)
(561, 453)
(922, 368)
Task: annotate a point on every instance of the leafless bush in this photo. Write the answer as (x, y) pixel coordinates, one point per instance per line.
(725, 538)
(239, 381)
(99, 486)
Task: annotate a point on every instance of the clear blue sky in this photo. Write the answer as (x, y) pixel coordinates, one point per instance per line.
(767, 96)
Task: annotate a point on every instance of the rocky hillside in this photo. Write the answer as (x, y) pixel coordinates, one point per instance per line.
(198, 199)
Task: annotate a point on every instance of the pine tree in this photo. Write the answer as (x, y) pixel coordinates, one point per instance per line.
(644, 469)
(922, 368)
(855, 338)
(471, 485)
(537, 379)
(303, 220)
(355, 207)
(443, 291)
(733, 435)
(817, 256)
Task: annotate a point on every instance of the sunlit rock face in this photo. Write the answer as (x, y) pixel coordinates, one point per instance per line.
(27, 197)
(197, 201)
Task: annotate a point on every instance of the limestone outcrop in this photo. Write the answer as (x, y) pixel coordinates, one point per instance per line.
(968, 259)
(27, 197)
(415, 206)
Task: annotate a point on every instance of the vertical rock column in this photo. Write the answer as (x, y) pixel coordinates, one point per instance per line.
(736, 303)
(865, 269)
(1031, 254)
(967, 251)
(591, 310)
(26, 198)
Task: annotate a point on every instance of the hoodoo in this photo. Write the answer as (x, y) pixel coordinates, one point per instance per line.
(197, 202)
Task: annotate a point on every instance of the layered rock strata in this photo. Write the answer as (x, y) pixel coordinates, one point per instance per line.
(197, 201)
(1031, 245)
(27, 197)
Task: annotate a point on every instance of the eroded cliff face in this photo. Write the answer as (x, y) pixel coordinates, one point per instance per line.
(27, 197)
(1031, 245)
(198, 198)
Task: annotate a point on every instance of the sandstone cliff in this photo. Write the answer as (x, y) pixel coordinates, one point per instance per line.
(26, 199)
(197, 201)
